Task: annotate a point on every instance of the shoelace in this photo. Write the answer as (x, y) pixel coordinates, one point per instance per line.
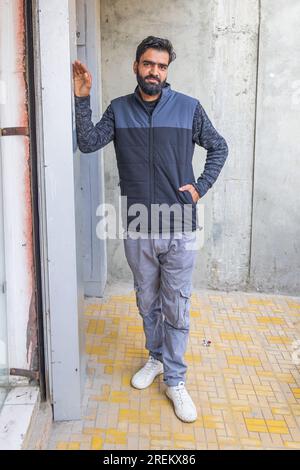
(149, 365)
(181, 393)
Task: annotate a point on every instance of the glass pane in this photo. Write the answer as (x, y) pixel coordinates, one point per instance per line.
(3, 323)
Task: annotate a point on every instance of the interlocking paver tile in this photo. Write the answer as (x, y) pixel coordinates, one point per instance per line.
(245, 384)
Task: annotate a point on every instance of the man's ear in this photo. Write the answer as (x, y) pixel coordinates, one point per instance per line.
(135, 66)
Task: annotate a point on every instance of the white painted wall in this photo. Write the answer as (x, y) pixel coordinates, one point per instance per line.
(16, 185)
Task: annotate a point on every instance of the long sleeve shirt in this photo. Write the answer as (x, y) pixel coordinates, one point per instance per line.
(92, 137)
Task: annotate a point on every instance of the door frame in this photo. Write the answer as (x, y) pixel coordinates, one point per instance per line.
(58, 167)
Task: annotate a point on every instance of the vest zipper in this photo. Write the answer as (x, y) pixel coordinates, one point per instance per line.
(151, 158)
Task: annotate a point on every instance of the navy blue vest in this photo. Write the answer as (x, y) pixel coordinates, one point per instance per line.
(154, 154)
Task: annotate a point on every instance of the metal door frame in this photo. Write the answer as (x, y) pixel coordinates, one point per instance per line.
(92, 165)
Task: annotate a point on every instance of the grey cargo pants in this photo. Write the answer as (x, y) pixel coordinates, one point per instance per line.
(162, 271)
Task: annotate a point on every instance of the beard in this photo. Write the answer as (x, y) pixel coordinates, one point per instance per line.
(150, 89)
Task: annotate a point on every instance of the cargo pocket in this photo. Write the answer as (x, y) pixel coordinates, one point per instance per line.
(138, 298)
(183, 307)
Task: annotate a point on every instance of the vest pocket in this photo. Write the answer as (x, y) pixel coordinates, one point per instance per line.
(190, 197)
(121, 186)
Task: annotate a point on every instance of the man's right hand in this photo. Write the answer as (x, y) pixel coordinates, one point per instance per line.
(82, 79)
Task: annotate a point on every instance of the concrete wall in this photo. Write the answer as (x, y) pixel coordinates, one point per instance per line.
(275, 250)
(216, 42)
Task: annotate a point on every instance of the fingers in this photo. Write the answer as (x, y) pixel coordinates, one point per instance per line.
(75, 66)
(89, 78)
(76, 71)
(192, 191)
(186, 187)
(79, 70)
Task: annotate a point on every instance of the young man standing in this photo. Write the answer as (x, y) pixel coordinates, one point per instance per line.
(154, 131)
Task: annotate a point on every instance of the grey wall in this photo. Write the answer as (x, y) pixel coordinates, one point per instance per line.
(275, 249)
(250, 213)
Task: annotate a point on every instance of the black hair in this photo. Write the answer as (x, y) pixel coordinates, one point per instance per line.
(155, 43)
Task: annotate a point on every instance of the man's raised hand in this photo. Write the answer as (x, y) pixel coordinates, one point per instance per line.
(82, 79)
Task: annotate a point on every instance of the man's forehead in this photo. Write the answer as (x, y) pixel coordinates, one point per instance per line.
(154, 54)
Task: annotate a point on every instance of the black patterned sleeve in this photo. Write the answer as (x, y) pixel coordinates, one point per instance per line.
(90, 137)
(205, 135)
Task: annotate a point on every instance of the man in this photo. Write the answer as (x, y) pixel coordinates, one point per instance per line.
(154, 131)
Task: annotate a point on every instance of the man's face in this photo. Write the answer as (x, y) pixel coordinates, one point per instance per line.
(152, 70)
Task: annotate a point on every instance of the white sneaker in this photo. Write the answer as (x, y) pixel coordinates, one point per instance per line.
(183, 403)
(145, 376)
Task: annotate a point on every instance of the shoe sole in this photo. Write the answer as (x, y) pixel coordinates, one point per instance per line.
(181, 419)
(142, 388)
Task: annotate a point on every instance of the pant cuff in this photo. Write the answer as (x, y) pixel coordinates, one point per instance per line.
(156, 356)
(173, 382)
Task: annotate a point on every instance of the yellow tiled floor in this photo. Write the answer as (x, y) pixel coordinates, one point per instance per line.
(246, 384)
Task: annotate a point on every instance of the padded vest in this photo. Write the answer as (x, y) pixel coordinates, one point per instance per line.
(154, 154)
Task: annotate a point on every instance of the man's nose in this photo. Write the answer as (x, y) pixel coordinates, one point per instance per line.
(155, 70)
